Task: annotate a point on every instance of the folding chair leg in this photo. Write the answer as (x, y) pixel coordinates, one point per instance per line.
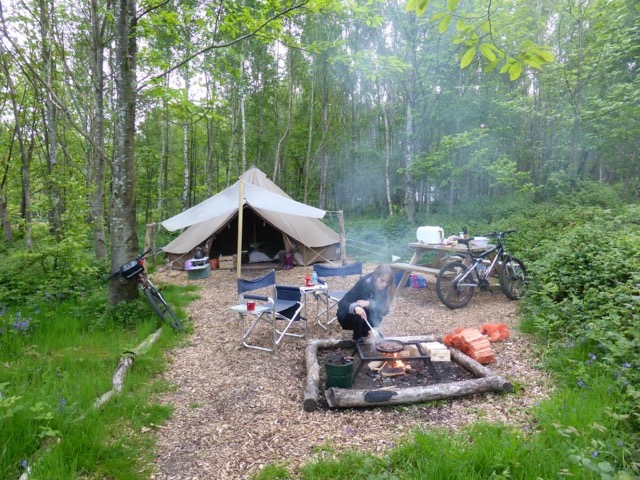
(285, 332)
(326, 312)
(245, 334)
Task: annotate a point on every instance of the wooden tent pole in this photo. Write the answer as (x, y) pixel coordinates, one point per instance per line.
(343, 242)
(239, 253)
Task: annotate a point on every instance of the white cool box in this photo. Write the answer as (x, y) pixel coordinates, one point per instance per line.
(430, 234)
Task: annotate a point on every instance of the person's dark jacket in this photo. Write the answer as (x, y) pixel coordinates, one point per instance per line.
(365, 289)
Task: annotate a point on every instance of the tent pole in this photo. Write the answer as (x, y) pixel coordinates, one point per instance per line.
(343, 241)
(239, 253)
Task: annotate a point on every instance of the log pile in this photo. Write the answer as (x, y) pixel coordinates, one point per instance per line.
(473, 343)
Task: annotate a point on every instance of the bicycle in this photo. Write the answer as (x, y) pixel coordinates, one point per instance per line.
(135, 269)
(456, 282)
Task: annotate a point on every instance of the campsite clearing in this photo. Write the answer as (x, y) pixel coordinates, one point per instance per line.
(237, 410)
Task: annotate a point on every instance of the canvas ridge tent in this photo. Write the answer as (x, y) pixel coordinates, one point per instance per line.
(271, 222)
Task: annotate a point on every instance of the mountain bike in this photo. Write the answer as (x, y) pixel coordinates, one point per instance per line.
(456, 282)
(135, 270)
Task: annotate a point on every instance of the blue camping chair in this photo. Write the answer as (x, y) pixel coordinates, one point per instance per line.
(279, 310)
(332, 297)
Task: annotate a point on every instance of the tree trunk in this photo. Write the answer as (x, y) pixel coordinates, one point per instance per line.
(122, 214)
(307, 160)
(25, 155)
(324, 168)
(387, 150)
(4, 212)
(163, 177)
(50, 119)
(409, 183)
(98, 161)
(285, 134)
(185, 147)
(243, 136)
(243, 123)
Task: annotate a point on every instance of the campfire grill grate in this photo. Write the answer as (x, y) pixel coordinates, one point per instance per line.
(368, 352)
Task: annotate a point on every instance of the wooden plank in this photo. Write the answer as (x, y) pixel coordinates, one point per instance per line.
(407, 267)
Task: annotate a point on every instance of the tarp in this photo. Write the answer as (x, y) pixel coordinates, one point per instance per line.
(268, 211)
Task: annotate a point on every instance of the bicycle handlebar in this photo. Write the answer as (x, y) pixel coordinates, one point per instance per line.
(499, 234)
(119, 270)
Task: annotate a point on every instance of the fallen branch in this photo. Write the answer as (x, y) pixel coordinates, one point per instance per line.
(118, 384)
(123, 367)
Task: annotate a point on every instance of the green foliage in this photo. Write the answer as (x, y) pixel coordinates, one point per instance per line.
(272, 472)
(52, 271)
(476, 31)
(54, 370)
(585, 291)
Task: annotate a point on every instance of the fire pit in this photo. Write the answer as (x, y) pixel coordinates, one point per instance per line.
(414, 385)
(394, 356)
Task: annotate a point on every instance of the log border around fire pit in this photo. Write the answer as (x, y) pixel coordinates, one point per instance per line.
(486, 381)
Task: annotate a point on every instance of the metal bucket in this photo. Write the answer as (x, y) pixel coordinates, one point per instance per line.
(339, 372)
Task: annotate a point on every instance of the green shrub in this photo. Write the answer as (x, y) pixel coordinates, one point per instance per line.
(584, 291)
(51, 271)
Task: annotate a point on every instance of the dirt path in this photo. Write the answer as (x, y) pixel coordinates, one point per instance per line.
(238, 409)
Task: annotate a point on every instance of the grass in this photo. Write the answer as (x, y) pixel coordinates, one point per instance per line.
(574, 434)
(57, 359)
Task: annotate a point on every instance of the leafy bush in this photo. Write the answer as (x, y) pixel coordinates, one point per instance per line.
(584, 291)
(51, 271)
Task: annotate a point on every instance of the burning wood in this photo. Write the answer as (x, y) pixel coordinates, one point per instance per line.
(394, 367)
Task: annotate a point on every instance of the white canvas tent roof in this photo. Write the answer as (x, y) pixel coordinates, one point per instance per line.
(297, 221)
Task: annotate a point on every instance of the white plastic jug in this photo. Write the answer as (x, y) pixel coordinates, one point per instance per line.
(430, 234)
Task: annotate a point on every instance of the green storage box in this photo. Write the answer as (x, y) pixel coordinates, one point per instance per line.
(197, 273)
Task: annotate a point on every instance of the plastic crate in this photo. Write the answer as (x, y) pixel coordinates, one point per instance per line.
(198, 273)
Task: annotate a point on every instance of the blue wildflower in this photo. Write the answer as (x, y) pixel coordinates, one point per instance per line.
(594, 454)
(620, 443)
(626, 365)
(21, 325)
(592, 356)
(348, 430)
(24, 464)
(581, 383)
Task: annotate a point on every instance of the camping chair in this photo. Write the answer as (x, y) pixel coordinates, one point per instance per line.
(279, 310)
(332, 297)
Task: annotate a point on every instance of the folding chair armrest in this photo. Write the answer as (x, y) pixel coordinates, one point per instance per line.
(262, 298)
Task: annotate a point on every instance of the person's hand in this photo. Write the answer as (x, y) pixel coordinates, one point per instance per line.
(359, 310)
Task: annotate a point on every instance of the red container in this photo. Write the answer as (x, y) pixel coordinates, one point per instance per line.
(251, 306)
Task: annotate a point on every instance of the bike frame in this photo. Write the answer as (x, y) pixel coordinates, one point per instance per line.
(477, 260)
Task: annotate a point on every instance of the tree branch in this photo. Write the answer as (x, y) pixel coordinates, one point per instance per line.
(223, 45)
(151, 9)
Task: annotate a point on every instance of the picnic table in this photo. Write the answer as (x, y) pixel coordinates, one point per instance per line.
(442, 253)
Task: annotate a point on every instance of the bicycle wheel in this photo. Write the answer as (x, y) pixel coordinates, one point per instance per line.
(159, 305)
(448, 289)
(513, 278)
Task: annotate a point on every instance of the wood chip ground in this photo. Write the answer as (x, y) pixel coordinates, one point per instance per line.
(237, 409)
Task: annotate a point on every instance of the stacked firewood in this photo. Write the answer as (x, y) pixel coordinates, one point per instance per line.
(476, 342)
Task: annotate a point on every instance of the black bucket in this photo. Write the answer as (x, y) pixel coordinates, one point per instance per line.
(339, 372)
